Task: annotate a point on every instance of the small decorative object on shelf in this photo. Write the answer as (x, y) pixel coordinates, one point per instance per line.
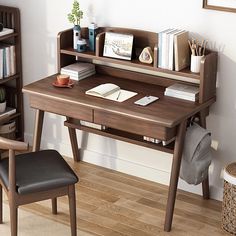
(146, 55)
(74, 17)
(2, 99)
(197, 53)
(118, 45)
(93, 30)
(81, 45)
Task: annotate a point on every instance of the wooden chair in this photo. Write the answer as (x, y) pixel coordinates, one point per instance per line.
(35, 176)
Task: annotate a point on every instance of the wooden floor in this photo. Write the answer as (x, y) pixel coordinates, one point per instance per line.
(111, 203)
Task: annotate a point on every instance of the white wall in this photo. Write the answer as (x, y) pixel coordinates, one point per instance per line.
(42, 20)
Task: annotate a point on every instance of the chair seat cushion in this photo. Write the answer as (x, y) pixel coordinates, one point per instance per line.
(39, 171)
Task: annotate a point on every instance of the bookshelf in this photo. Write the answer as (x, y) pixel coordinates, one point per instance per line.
(10, 17)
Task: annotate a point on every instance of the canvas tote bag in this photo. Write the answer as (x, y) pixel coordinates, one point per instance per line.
(197, 155)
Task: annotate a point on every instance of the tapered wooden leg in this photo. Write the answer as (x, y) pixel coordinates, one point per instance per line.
(38, 129)
(54, 206)
(179, 143)
(1, 198)
(13, 219)
(72, 206)
(205, 183)
(74, 144)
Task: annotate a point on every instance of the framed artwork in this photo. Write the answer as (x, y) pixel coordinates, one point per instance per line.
(118, 45)
(220, 5)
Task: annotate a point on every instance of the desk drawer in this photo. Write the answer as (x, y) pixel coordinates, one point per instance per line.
(72, 110)
(133, 125)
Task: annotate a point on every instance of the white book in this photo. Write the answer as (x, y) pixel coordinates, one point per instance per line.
(164, 143)
(183, 89)
(12, 60)
(171, 48)
(160, 47)
(111, 92)
(79, 67)
(92, 125)
(76, 75)
(1, 63)
(6, 31)
(9, 111)
(165, 48)
(7, 67)
(78, 78)
(181, 96)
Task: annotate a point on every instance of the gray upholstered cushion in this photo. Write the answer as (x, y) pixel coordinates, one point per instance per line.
(39, 171)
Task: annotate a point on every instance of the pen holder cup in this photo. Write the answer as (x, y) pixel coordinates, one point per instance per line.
(195, 63)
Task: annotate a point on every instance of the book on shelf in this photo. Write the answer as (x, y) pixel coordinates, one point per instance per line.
(6, 31)
(8, 112)
(92, 125)
(181, 51)
(183, 91)
(7, 60)
(173, 53)
(79, 70)
(152, 140)
(156, 141)
(166, 142)
(111, 92)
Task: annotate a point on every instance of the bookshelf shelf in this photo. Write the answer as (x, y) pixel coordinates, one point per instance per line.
(13, 77)
(8, 36)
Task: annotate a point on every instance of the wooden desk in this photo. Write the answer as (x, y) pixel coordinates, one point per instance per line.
(163, 119)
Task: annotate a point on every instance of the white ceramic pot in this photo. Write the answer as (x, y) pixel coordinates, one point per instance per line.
(2, 106)
(196, 63)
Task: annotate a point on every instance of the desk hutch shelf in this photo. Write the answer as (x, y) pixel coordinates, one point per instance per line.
(10, 17)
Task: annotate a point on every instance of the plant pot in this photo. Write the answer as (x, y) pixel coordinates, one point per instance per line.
(2, 106)
(76, 35)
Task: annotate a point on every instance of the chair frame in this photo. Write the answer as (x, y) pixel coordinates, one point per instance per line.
(16, 200)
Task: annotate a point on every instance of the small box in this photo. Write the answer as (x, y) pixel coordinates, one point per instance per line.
(8, 130)
(93, 31)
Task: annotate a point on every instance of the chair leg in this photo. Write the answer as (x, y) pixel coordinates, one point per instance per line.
(72, 206)
(13, 219)
(1, 198)
(54, 206)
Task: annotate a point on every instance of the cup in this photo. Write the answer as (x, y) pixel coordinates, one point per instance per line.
(195, 63)
(63, 79)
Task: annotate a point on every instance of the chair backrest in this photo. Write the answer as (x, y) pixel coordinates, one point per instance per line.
(12, 146)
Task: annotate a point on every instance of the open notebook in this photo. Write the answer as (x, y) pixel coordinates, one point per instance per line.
(111, 92)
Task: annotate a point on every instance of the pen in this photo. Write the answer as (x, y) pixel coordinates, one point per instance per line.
(118, 95)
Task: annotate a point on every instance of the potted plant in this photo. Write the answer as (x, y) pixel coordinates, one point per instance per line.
(74, 17)
(2, 99)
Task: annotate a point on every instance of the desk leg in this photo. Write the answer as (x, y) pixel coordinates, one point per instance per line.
(205, 183)
(74, 143)
(38, 129)
(179, 143)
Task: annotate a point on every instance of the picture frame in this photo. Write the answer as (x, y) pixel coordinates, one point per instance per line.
(220, 5)
(118, 45)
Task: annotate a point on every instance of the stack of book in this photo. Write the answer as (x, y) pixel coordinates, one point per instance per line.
(6, 31)
(7, 60)
(183, 91)
(173, 49)
(155, 140)
(79, 70)
(92, 125)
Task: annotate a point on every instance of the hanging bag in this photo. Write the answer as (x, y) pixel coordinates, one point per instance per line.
(197, 156)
